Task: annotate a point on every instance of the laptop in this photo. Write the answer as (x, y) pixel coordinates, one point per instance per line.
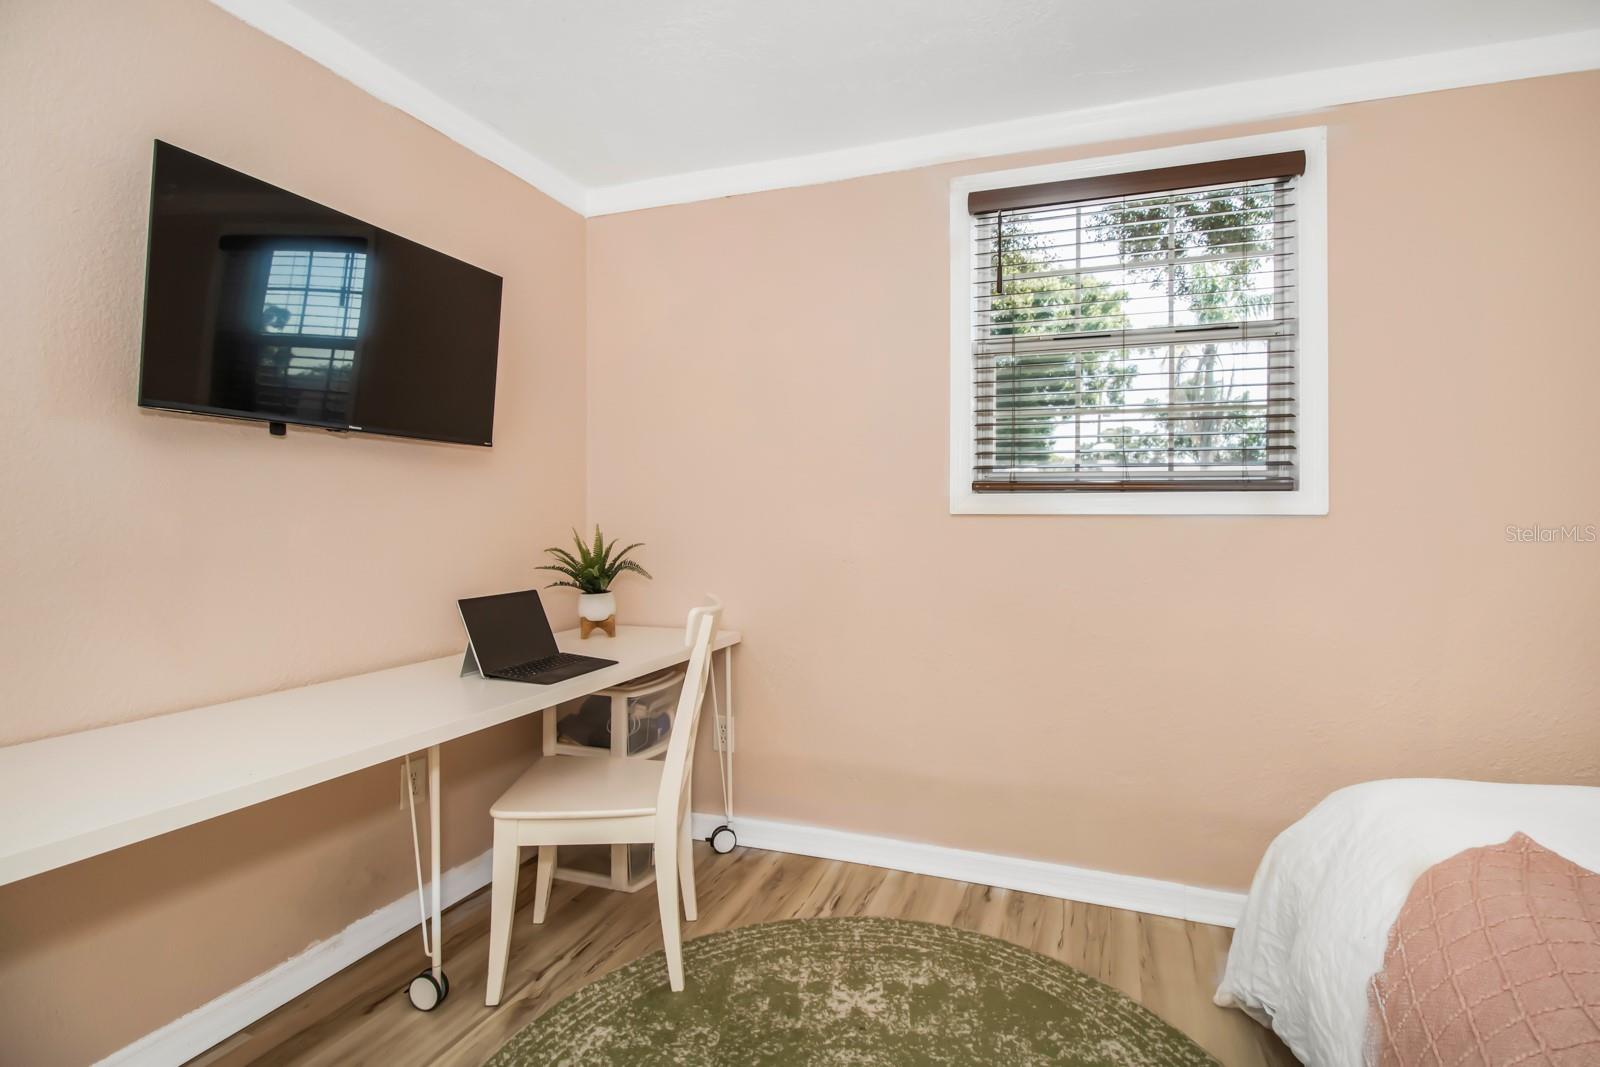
(509, 636)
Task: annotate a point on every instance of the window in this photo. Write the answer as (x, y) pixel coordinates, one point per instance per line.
(310, 315)
(1143, 334)
(314, 291)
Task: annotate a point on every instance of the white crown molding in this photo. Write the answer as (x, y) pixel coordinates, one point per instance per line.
(215, 1021)
(342, 56)
(1268, 98)
(1149, 895)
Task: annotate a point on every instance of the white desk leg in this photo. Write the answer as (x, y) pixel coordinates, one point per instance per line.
(433, 853)
(727, 678)
(723, 839)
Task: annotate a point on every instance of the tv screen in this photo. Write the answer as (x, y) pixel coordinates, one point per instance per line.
(260, 304)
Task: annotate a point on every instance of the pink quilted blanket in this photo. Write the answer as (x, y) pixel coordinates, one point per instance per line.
(1494, 960)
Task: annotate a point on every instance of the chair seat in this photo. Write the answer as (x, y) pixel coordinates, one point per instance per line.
(571, 787)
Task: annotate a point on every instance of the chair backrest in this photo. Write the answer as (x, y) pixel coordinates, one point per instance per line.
(679, 760)
(713, 607)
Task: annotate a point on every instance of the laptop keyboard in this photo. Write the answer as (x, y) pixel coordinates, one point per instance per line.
(540, 666)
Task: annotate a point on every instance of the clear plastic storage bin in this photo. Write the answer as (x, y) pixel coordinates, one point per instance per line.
(629, 721)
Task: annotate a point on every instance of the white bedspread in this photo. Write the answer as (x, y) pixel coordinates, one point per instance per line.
(1317, 919)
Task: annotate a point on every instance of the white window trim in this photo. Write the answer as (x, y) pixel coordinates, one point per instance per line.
(1311, 497)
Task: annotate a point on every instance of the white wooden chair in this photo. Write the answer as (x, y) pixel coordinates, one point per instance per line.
(606, 801)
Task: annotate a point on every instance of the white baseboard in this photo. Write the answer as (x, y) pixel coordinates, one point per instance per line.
(1215, 906)
(214, 1022)
(188, 1036)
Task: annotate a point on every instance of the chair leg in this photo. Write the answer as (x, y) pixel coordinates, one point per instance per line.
(502, 905)
(667, 898)
(691, 910)
(543, 875)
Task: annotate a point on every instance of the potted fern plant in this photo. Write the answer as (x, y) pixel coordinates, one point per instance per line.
(591, 572)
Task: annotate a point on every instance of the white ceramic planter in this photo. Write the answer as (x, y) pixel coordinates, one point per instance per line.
(597, 607)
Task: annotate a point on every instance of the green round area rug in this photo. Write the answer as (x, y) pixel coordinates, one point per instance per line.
(855, 992)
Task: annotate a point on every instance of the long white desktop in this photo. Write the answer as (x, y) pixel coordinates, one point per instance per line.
(81, 794)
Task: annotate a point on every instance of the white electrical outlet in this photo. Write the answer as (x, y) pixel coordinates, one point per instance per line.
(722, 738)
(416, 781)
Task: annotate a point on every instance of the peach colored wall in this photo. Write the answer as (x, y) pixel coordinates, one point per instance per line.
(195, 560)
(1155, 696)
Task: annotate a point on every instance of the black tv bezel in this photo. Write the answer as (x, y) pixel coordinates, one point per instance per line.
(210, 411)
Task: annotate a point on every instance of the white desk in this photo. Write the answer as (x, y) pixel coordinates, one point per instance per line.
(78, 795)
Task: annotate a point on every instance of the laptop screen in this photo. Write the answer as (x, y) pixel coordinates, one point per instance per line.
(507, 629)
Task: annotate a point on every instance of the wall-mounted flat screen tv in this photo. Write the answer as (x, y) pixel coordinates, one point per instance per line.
(260, 304)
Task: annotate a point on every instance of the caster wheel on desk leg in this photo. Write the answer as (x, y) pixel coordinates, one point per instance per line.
(425, 993)
(723, 840)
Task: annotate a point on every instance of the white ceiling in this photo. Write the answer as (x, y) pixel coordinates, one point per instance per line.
(620, 93)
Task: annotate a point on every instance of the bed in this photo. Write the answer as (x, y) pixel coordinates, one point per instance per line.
(1316, 923)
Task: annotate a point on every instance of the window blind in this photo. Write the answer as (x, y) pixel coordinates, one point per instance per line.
(1136, 332)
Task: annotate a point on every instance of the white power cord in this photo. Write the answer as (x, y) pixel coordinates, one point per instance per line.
(416, 850)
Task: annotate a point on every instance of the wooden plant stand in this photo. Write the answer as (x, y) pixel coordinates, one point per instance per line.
(585, 627)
